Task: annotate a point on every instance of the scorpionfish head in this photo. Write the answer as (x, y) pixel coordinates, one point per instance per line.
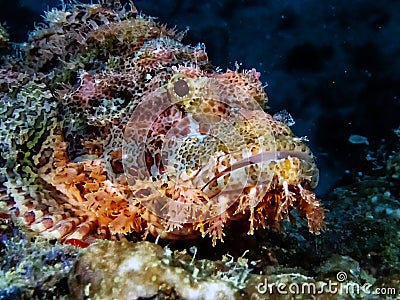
(201, 150)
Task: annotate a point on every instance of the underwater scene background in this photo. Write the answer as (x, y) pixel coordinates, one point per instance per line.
(334, 66)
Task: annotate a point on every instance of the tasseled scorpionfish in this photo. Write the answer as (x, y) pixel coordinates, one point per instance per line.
(110, 125)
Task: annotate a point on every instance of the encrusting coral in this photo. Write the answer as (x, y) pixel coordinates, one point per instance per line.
(169, 274)
(110, 125)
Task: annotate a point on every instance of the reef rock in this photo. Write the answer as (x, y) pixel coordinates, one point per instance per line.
(123, 270)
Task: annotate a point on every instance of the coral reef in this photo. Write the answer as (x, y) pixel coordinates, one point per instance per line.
(175, 275)
(33, 269)
(366, 221)
(122, 270)
(110, 125)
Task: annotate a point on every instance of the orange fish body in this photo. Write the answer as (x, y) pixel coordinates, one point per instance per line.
(114, 126)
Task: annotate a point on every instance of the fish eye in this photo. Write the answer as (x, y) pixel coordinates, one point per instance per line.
(181, 88)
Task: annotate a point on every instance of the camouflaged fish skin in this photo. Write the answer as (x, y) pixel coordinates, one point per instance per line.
(110, 125)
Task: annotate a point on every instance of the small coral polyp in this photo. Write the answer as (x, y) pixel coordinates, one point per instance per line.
(110, 125)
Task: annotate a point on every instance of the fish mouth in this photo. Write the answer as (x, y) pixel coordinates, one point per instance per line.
(263, 157)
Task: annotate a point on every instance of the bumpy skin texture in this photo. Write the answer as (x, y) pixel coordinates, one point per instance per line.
(110, 125)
